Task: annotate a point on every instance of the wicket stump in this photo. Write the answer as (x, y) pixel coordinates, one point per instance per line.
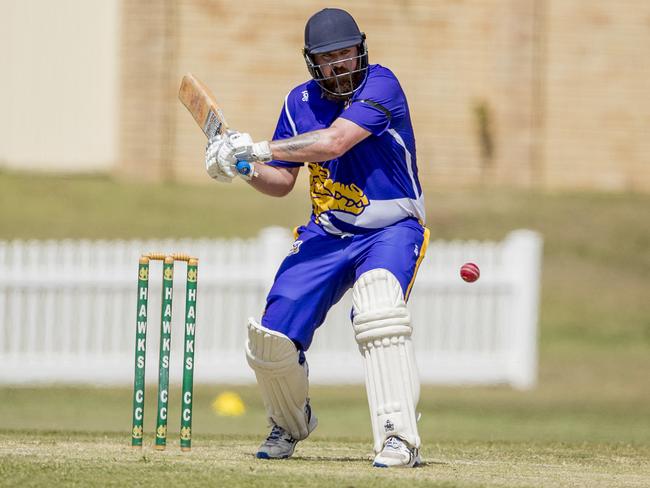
(165, 349)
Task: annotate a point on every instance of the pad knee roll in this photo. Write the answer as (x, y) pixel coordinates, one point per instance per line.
(283, 381)
(382, 329)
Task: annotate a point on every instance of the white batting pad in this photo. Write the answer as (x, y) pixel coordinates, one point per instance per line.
(382, 326)
(282, 380)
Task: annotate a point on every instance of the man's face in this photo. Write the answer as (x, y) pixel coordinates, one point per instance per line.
(336, 63)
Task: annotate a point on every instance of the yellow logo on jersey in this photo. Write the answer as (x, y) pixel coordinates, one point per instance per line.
(327, 194)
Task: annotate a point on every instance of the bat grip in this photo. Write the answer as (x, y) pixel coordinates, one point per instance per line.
(243, 168)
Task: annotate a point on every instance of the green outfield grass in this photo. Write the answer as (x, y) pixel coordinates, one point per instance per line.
(587, 424)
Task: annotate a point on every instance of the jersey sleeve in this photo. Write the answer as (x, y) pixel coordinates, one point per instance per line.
(380, 102)
(284, 129)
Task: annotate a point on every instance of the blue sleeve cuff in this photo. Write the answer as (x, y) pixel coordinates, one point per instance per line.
(284, 164)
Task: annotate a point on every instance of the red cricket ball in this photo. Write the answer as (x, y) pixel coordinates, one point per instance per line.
(469, 272)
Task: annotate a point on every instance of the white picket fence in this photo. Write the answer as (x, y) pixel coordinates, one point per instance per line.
(67, 311)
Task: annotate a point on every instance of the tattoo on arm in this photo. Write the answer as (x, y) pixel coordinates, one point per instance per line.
(295, 144)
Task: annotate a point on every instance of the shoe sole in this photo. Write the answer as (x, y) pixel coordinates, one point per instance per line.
(264, 455)
(416, 462)
(380, 465)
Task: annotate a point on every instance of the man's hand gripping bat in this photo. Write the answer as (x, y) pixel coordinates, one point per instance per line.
(200, 102)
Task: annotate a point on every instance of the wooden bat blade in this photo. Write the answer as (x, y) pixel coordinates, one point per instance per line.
(200, 102)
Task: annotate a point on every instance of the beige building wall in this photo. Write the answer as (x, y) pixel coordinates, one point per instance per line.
(550, 94)
(59, 73)
(465, 66)
(597, 95)
(531, 93)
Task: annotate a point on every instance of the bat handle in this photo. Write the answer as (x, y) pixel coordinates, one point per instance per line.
(243, 167)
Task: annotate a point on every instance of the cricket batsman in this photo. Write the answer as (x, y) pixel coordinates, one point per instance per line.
(351, 123)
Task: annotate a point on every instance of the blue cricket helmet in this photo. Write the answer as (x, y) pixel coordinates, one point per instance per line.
(332, 29)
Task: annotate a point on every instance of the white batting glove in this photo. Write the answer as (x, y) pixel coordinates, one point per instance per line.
(223, 153)
(244, 149)
(212, 166)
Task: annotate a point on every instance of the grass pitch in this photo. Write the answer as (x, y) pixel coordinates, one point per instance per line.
(579, 429)
(103, 460)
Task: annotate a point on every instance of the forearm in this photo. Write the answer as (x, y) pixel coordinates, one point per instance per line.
(315, 146)
(223, 152)
(272, 180)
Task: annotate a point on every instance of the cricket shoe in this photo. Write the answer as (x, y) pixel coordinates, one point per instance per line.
(279, 444)
(397, 454)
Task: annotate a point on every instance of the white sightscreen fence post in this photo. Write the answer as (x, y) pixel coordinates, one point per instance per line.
(275, 243)
(4, 287)
(523, 254)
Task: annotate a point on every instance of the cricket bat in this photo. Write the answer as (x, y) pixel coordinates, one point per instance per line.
(201, 103)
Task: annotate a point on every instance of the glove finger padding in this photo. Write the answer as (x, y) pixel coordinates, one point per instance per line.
(212, 166)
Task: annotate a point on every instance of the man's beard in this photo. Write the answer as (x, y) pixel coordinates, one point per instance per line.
(341, 86)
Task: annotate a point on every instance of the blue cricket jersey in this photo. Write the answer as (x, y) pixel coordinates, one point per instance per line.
(375, 183)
